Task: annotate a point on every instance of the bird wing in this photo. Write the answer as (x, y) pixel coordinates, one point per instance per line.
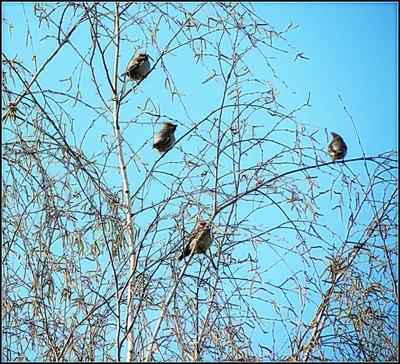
(133, 65)
(197, 235)
(162, 141)
(336, 146)
(192, 236)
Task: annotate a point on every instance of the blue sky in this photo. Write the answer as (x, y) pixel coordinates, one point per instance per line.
(352, 50)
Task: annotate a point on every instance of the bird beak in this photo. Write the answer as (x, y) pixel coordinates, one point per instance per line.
(150, 57)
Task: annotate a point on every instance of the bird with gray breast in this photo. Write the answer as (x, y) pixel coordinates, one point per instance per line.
(337, 148)
(199, 240)
(138, 67)
(165, 138)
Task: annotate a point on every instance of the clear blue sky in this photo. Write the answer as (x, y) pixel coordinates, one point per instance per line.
(352, 50)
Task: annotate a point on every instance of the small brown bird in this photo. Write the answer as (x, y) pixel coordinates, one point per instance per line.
(200, 240)
(138, 67)
(337, 148)
(165, 139)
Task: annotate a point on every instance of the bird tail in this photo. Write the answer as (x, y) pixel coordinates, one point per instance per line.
(186, 253)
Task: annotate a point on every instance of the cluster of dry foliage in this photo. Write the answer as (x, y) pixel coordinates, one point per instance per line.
(303, 264)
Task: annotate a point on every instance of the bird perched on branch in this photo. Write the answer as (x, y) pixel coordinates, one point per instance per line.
(337, 148)
(200, 240)
(165, 138)
(138, 67)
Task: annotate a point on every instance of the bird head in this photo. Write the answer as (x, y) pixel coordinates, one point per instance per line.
(202, 224)
(170, 125)
(335, 135)
(141, 55)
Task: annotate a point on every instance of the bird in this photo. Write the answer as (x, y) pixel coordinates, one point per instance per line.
(200, 240)
(337, 148)
(138, 67)
(165, 138)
